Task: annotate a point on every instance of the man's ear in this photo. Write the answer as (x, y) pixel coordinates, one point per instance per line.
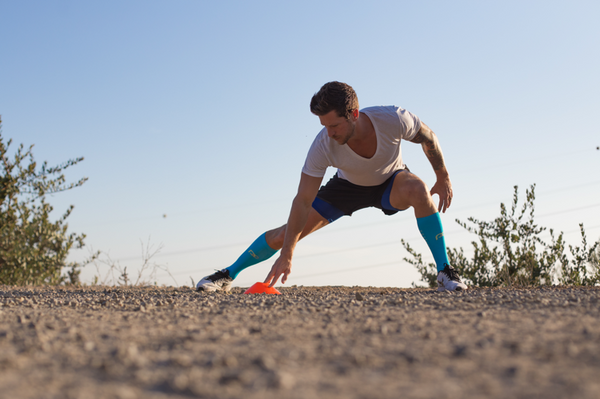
(355, 114)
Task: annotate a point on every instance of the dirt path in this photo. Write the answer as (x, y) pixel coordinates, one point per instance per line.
(324, 342)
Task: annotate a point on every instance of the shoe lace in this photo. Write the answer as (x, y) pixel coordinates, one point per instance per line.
(220, 275)
(451, 273)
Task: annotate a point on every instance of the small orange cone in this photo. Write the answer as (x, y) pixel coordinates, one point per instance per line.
(262, 288)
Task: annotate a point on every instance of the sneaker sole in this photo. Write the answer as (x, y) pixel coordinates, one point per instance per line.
(226, 289)
(442, 289)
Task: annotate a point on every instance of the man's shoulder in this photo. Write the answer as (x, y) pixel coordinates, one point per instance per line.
(322, 141)
(383, 111)
(389, 115)
(381, 108)
(392, 119)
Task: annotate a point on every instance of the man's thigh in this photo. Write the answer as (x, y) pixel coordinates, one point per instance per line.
(340, 198)
(275, 237)
(407, 186)
(314, 222)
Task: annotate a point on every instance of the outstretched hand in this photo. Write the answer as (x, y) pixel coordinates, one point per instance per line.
(281, 268)
(443, 188)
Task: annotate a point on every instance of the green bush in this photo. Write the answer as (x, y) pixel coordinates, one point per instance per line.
(510, 252)
(584, 266)
(33, 249)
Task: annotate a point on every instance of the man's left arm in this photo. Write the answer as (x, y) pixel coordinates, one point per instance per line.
(431, 146)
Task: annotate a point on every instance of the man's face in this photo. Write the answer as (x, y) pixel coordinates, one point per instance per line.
(338, 128)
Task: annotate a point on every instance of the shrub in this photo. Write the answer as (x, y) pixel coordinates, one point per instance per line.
(584, 266)
(33, 249)
(510, 252)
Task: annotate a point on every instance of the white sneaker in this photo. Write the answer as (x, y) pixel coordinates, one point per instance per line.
(219, 281)
(449, 280)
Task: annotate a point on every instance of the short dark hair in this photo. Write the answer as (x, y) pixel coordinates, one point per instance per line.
(337, 96)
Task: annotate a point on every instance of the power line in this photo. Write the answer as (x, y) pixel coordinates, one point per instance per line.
(369, 266)
(190, 250)
(193, 212)
(337, 230)
(524, 161)
(395, 242)
(240, 205)
(238, 244)
(569, 210)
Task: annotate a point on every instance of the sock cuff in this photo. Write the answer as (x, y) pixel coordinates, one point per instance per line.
(431, 220)
(260, 249)
(257, 252)
(432, 231)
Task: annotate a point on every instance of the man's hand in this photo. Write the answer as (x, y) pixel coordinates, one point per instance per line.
(281, 267)
(301, 206)
(443, 188)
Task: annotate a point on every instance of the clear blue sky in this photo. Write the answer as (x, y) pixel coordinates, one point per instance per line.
(199, 110)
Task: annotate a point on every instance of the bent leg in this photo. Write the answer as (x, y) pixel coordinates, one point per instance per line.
(270, 242)
(408, 190)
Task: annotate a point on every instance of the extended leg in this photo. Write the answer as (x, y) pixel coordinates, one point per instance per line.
(276, 236)
(270, 242)
(260, 250)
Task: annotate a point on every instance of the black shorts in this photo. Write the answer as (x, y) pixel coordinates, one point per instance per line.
(339, 197)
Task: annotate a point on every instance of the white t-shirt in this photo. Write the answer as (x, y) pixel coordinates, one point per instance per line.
(391, 124)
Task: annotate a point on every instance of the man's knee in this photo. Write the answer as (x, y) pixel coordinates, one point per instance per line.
(275, 237)
(417, 189)
(409, 190)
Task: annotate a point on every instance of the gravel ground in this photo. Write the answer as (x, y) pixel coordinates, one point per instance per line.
(310, 342)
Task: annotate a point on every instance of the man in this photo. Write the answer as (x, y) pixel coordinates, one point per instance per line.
(365, 147)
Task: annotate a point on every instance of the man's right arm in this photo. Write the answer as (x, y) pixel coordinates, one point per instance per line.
(431, 146)
(307, 191)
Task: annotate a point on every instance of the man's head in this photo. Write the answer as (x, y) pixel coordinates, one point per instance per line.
(334, 96)
(336, 105)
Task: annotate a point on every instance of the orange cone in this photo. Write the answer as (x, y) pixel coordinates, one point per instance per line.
(262, 288)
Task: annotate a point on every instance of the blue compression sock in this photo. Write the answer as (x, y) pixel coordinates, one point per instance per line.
(432, 231)
(257, 252)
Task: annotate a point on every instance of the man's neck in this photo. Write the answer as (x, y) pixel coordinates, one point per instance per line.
(364, 140)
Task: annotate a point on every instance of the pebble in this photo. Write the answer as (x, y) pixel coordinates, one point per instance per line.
(310, 342)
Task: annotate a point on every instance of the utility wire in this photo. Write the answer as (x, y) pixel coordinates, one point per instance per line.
(524, 161)
(238, 244)
(389, 243)
(337, 230)
(345, 250)
(569, 210)
(338, 271)
(238, 205)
